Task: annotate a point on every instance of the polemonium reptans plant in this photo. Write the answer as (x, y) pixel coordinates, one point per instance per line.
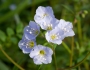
(42, 13)
(55, 36)
(48, 23)
(26, 45)
(56, 31)
(66, 27)
(41, 54)
(32, 30)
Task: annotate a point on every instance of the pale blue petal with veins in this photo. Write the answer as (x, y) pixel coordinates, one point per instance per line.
(42, 13)
(41, 54)
(66, 27)
(49, 23)
(26, 45)
(55, 36)
(32, 30)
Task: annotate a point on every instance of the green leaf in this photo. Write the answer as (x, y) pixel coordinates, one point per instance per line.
(68, 8)
(2, 36)
(19, 28)
(14, 40)
(45, 44)
(3, 66)
(55, 45)
(19, 35)
(10, 31)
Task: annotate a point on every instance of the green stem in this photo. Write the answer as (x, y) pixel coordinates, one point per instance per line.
(66, 47)
(10, 58)
(55, 60)
(77, 63)
(40, 67)
(17, 19)
(79, 29)
(71, 57)
(54, 56)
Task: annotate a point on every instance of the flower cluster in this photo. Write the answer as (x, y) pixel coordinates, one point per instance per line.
(39, 53)
(56, 29)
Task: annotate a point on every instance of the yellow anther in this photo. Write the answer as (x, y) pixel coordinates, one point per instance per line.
(31, 44)
(53, 37)
(44, 15)
(42, 52)
(49, 28)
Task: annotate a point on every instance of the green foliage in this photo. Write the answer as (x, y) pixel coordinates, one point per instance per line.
(3, 66)
(2, 36)
(19, 28)
(10, 31)
(12, 23)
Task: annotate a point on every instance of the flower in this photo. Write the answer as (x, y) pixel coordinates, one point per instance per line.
(43, 12)
(49, 23)
(26, 45)
(32, 30)
(55, 36)
(12, 7)
(66, 27)
(41, 54)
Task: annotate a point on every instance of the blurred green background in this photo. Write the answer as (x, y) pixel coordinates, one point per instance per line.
(16, 14)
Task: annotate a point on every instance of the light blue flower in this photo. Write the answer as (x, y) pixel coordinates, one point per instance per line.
(26, 45)
(66, 27)
(12, 7)
(55, 36)
(42, 13)
(32, 30)
(41, 54)
(49, 23)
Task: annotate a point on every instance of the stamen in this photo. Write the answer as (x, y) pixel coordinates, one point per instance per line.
(34, 31)
(53, 37)
(49, 27)
(31, 44)
(44, 15)
(42, 52)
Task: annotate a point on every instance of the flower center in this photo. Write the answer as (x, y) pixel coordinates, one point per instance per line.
(42, 52)
(34, 31)
(49, 27)
(31, 44)
(53, 37)
(44, 15)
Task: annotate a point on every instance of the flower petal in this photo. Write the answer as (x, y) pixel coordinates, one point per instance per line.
(32, 30)
(39, 58)
(24, 45)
